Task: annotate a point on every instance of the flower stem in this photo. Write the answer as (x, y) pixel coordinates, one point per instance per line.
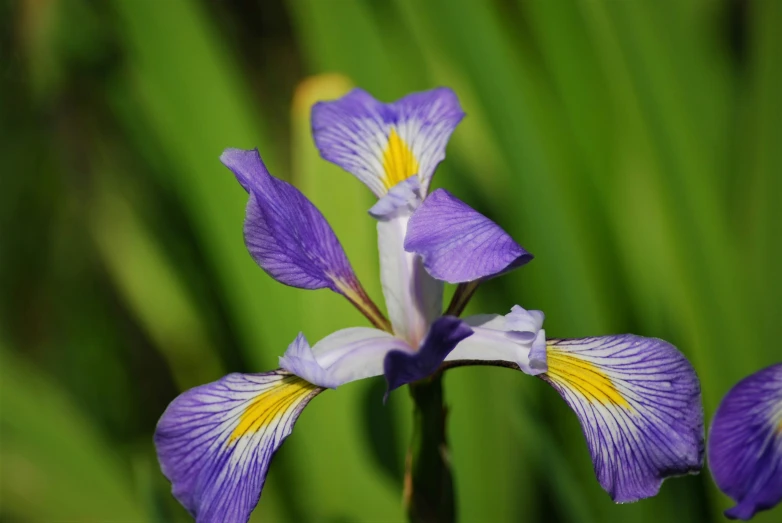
(462, 297)
(429, 494)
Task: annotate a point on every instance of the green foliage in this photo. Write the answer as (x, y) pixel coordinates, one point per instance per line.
(633, 147)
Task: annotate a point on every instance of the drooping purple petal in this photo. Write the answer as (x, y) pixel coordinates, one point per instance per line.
(639, 404)
(384, 144)
(215, 442)
(341, 357)
(745, 443)
(457, 243)
(402, 368)
(285, 233)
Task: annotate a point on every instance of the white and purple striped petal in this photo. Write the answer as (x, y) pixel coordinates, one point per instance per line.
(403, 367)
(459, 244)
(384, 144)
(638, 400)
(745, 443)
(341, 357)
(215, 442)
(516, 339)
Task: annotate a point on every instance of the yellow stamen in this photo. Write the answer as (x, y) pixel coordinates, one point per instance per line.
(271, 404)
(398, 161)
(583, 377)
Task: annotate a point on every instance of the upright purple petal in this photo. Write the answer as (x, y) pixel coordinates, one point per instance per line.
(745, 443)
(459, 244)
(284, 232)
(290, 239)
(402, 368)
(384, 144)
(215, 442)
(639, 404)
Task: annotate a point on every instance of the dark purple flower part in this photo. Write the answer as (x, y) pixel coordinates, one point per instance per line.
(384, 144)
(745, 443)
(459, 244)
(285, 234)
(215, 442)
(638, 401)
(402, 368)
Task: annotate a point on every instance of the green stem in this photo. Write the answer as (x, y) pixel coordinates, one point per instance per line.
(462, 297)
(429, 496)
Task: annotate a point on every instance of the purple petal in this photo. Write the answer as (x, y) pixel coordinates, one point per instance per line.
(215, 442)
(745, 443)
(284, 232)
(384, 144)
(402, 368)
(639, 404)
(457, 243)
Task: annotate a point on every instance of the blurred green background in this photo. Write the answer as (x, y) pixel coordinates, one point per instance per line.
(634, 147)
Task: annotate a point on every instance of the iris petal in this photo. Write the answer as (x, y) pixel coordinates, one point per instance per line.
(384, 144)
(413, 298)
(745, 443)
(215, 442)
(516, 339)
(341, 357)
(290, 239)
(284, 232)
(459, 244)
(639, 404)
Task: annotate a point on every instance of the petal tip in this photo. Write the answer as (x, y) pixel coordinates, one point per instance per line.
(458, 244)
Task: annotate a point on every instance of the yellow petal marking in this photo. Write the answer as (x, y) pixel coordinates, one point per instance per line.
(398, 161)
(271, 404)
(582, 376)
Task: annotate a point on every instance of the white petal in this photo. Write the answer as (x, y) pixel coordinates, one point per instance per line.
(351, 354)
(413, 298)
(515, 338)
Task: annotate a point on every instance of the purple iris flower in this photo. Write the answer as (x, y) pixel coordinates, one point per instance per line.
(745, 443)
(638, 399)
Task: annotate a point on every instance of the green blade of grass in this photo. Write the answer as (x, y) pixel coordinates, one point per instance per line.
(152, 288)
(55, 464)
(195, 105)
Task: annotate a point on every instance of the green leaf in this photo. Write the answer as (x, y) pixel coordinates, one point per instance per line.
(56, 465)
